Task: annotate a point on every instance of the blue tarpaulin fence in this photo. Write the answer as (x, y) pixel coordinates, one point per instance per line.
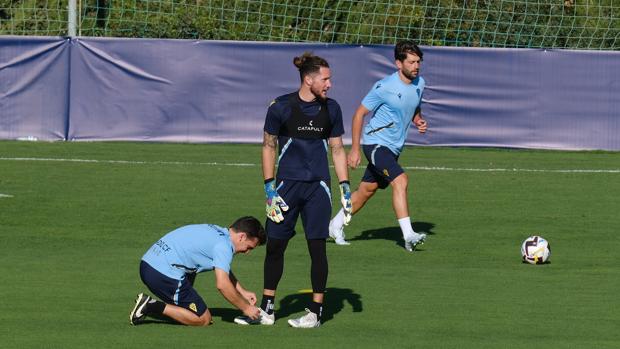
(104, 89)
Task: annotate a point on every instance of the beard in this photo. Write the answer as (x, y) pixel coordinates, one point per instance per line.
(318, 94)
(409, 74)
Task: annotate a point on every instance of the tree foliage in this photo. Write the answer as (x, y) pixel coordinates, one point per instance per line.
(593, 24)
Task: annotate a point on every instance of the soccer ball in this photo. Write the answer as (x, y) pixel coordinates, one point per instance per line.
(535, 250)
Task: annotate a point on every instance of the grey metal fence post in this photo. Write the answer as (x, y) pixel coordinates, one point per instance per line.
(71, 22)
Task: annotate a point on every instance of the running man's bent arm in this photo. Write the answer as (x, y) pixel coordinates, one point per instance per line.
(356, 135)
(419, 121)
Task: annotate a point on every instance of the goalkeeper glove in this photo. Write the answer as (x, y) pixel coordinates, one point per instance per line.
(274, 204)
(345, 199)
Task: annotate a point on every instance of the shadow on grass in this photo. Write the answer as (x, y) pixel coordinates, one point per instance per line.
(225, 314)
(394, 233)
(335, 299)
(334, 302)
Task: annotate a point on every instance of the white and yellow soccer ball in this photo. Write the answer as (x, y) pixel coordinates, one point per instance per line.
(535, 250)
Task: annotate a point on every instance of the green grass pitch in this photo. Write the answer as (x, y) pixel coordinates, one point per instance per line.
(72, 234)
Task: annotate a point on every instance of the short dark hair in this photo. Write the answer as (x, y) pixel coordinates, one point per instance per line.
(309, 64)
(404, 47)
(252, 227)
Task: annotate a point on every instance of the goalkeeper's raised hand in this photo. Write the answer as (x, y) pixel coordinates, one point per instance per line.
(275, 205)
(345, 199)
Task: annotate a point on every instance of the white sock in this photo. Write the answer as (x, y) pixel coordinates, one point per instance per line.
(407, 229)
(338, 221)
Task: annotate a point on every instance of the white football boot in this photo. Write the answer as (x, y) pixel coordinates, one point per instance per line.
(338, 235)
(307, 321)
(263, 319)
(138, 314)
(413, 241)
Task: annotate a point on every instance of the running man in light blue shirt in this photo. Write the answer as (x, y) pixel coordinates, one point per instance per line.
(170, 266)
(395, 103)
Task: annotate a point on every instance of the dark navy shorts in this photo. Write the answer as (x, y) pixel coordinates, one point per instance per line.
(382, 166)
(310, 199)
(172, 291)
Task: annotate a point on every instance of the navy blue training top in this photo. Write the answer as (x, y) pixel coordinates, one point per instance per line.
(303, 129)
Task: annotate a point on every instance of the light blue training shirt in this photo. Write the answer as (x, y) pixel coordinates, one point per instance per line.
(191, 249)
(394, 104)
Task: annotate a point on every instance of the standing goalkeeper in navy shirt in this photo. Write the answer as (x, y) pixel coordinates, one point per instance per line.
(300, 128)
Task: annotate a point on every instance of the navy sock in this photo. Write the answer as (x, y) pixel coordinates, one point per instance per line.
(316, 308)
(267, 304)
(155, 307)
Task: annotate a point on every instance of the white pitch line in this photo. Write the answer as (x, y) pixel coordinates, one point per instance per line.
(420, 168)
(424, 168)
(131, 162)
(5, 195)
